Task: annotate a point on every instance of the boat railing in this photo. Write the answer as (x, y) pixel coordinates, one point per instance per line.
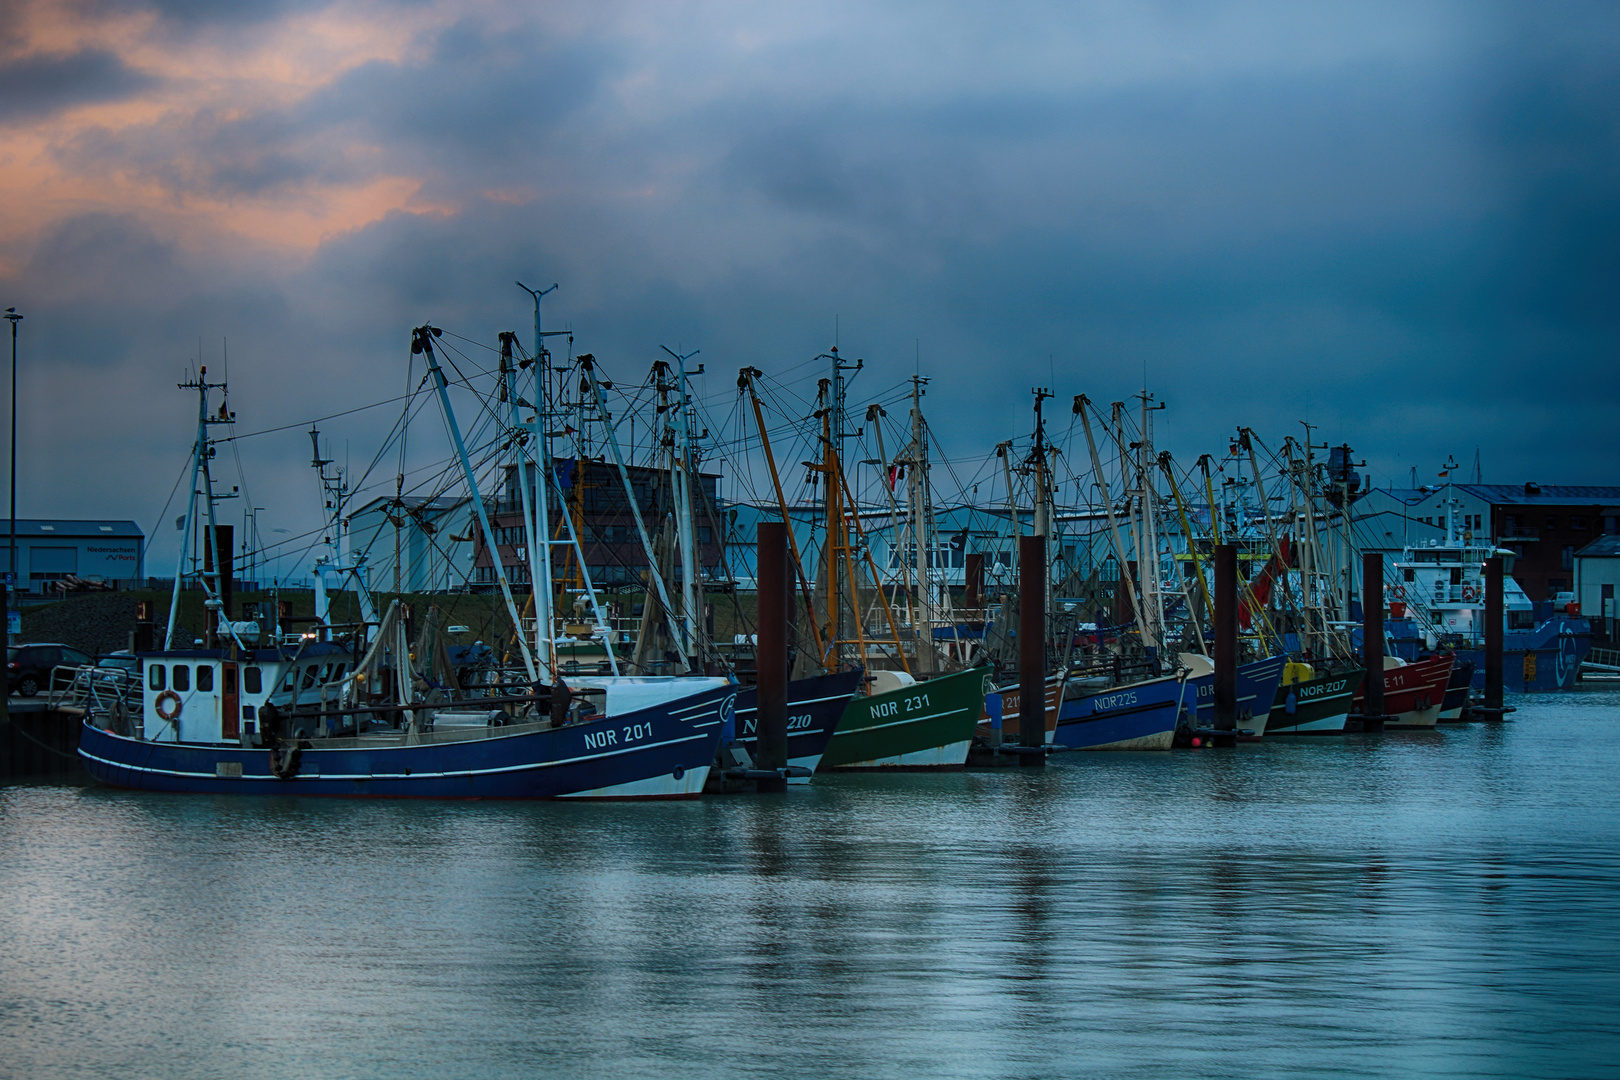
(95, 691)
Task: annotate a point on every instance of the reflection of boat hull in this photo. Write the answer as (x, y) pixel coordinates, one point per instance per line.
(1257, 684)
(1141, 716)
(1414, 693)
(814, 708)
(663, 751)
(928, 725)
(1315, 707)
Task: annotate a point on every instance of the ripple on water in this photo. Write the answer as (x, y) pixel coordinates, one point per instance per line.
(1423, 904)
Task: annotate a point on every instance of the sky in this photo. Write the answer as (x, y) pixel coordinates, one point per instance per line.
(1397, 222)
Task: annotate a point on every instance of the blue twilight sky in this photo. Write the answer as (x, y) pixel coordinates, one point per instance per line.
(1397, 221)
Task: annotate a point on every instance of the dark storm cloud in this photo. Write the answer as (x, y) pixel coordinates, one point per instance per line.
(1411, 240)
(41, 84)
(483, 95)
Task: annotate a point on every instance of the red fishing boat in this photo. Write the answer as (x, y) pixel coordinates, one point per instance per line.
(1414, 693)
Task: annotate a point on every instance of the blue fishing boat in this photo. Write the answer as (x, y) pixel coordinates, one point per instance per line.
(221, 733)
(1257, 684)
(309, 714)
(1437, 600)
(1136, 716)
(814, 708)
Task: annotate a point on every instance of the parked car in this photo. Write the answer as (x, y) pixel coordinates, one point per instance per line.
(28, 667)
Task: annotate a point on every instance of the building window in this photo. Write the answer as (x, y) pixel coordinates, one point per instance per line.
(1567, 559)
(705, 534)
(1552, 521)
(1577, 522)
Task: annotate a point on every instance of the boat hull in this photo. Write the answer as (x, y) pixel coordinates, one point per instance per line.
(1457, 690)
(1414, 693)
(663, 752)
(925, 726)
(1257, 684)
(814, 708)
(1011, 718)
(1140, 716)
(1315, 707)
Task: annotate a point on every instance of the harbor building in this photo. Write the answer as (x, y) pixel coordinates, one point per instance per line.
(428, 540)
(1597, 577)
(614, 555)
(57, 549)
(1544, 525)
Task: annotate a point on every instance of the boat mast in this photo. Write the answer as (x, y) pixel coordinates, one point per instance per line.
(422, 342)
(921, 515)
(1081, 404)
(587, 364)
(202, 450)
(745, 380)
(1148, 569)
(680, 478)
(536, 512)
(199, 449)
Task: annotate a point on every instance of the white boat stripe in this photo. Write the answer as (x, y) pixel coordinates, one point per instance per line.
(403, 776)
(894, 723)
(805, 701)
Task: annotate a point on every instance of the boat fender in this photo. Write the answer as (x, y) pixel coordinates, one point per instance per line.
(163, 699)
(285, 759)
(1291, 703)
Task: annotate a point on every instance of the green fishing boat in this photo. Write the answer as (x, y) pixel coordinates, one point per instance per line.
(927, 725)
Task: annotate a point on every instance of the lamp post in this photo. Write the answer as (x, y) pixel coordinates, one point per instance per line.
(11, 314)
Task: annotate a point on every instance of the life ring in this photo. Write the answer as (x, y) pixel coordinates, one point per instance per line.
(157, 706)
(1397, 593)
(1468, 592)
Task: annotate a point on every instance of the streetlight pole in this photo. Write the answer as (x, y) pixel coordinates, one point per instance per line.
(14, 318)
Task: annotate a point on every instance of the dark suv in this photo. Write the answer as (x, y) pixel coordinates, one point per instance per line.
(28, 667)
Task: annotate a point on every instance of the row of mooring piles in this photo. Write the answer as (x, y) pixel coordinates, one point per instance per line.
(775, 611)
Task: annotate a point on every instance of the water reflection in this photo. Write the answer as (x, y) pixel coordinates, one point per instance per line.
(1365, 906)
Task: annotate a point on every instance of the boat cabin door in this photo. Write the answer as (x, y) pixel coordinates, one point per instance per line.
(230, 702)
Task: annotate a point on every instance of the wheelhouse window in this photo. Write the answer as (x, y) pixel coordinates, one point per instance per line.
(182, 677)
(252, 680)
(155, 676)
(205, 677)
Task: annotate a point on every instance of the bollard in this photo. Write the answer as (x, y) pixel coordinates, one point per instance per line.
(1372, 645)
(770, 655)
(1032, 648)
(1226, 633)
(1493, 637)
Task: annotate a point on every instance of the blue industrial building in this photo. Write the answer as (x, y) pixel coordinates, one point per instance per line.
(54, 549)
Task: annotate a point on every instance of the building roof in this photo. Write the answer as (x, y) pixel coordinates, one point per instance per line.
(1604, 547)
(1544, 494)
(69, 528)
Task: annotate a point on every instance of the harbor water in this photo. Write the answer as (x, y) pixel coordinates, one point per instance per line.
(1412, 904)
